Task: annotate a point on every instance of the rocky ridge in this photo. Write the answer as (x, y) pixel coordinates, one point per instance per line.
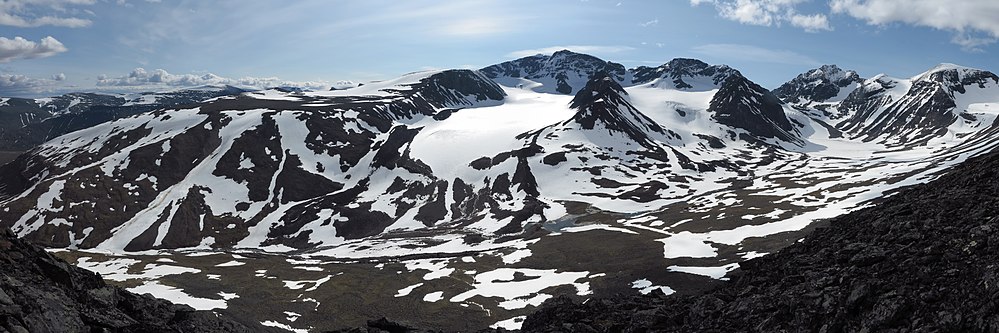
(40, 293)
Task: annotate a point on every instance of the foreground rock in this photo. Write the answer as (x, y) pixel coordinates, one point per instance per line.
(39, 293)
(924, 260)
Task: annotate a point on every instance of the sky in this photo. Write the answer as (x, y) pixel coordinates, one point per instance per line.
(48, 47)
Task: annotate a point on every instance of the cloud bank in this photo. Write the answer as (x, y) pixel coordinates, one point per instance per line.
(142, 79)
(15, 85)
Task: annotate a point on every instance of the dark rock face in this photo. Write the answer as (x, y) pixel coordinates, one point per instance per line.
(681, 70)
(743, 104)
(561, 67)
(924, 260)
(40, 293)
(602, 101)
(817, 85)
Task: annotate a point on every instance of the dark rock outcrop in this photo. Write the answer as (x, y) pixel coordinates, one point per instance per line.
(741, 103)
(923, 260)
(40, 293)
(603, 102)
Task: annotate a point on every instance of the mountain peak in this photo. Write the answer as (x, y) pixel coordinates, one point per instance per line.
(601, 86)
(938, 72)
(742, 103)
(818, 85)
(684, 73)
(565, 52)
(563, 72)
(686, 64)
(952, 74)
(603, 101)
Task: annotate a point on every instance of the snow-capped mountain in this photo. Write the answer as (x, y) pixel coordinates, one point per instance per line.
(826, 83)
(563, 72)
(684, 74)
(26, 123)
(947, 100)
(439, 151)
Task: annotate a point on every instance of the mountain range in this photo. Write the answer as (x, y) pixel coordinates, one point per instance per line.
(26, 123)
(692, 162)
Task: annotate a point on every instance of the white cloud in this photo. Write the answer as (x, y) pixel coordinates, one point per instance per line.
(650, 23)
(14, 85)
(589, 49)
(971, 43)
(755, 54)
(965, 17)
(59, 77)
(811, 23)
(20, 48)
(141, 79)
(767, 13)
(35, 13)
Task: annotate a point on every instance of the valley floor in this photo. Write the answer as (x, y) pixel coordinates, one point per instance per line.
(461, 291)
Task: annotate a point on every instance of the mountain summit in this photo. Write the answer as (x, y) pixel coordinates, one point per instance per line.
(683, 73)
(818, 85)
(603, 101)
(563, 72)
(744, 104)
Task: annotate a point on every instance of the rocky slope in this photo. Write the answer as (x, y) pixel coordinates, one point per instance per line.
(40, 293)
(924, 260)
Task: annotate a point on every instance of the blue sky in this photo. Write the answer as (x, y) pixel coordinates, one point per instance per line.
(54, 46)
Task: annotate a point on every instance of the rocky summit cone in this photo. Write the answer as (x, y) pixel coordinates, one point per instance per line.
(603, 103)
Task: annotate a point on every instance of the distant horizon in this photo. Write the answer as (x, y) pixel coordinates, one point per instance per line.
(52, 47)
(124, 90)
